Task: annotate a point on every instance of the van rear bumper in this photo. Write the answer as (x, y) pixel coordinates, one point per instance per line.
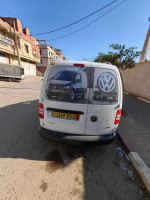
(76, 139)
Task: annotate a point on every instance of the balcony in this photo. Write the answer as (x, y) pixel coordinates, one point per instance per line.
(29, 56)
(7, 48)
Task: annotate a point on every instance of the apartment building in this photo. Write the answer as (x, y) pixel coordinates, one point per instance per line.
(48, 54)
(59, 53)
(17, 46)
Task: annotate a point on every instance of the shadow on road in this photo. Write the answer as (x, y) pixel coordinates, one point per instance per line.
(98, 168)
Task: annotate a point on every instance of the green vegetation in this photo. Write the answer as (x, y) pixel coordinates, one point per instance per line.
(121, 57)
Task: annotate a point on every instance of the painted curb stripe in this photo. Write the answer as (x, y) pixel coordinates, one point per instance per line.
(126, 93)
(137, 162)
(140, 98)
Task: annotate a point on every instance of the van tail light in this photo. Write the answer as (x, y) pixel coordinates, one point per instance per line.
(78, 65)
(41, 111)
(118, 116)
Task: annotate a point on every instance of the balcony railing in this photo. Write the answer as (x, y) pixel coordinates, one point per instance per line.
(7, 47)
(11, 49)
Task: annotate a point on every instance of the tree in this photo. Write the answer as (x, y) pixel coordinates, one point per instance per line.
(123, 58)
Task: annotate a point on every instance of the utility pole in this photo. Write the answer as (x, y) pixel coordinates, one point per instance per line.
(146, 45)
(16, 43)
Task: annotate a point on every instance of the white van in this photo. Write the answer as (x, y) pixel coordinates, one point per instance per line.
(80, 102)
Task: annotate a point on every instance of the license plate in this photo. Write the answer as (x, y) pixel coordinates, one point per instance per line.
(67, 116)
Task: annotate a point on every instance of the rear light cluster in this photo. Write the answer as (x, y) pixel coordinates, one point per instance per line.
(41, 111)
(118, 116)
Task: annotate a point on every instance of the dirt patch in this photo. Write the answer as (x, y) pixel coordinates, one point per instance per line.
(76, 178)
(55, 161)
(75, 191)
(43, 186)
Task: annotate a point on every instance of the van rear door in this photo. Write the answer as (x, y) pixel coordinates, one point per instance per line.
(66, 98)
(103, 101)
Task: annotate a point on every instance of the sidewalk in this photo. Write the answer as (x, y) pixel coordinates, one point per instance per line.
(136, 126)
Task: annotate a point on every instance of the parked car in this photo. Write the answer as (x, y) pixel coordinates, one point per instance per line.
(68, 84)
(94, 118)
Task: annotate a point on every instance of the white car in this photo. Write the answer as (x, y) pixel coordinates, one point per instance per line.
(91, 113)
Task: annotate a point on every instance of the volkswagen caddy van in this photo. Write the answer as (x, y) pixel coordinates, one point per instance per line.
(80, 102)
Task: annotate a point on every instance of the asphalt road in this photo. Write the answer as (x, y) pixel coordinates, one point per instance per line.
(34, 168)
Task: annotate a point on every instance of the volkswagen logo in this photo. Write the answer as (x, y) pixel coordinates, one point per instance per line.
(94, 118)
(106, 82)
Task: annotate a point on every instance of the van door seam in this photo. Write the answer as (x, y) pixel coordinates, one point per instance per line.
(88, 102)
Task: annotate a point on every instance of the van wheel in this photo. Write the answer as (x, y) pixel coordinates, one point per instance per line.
(72, 95)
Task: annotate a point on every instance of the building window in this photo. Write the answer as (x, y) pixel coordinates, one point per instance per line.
(49, 53)
(40, 51)
(34, 52)
(6, 41)
(26, 48)
(41, 61)
(2, 54)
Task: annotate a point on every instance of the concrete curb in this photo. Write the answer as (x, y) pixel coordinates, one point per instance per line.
(137, 162)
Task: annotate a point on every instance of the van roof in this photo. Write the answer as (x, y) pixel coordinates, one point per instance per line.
(90, 64)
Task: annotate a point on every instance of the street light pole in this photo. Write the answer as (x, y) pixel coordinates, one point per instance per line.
(146, 45)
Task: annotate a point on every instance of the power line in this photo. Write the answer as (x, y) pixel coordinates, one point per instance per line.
(52, 31)
(88, 23)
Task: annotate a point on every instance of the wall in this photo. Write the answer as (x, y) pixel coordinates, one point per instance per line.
(13, 60)
(4, 59)
(29, 68)
(137, 80)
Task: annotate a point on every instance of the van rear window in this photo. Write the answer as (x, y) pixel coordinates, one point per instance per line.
(68, 84)
(82, 85)
(105, 87)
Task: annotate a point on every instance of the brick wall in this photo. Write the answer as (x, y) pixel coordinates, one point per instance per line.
(26, 31)
(8, 23)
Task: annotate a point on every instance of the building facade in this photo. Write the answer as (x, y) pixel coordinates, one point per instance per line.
(17, 46)
(48, 54)
(59, 53)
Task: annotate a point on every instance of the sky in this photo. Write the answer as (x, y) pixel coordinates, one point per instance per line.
(127, 24)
